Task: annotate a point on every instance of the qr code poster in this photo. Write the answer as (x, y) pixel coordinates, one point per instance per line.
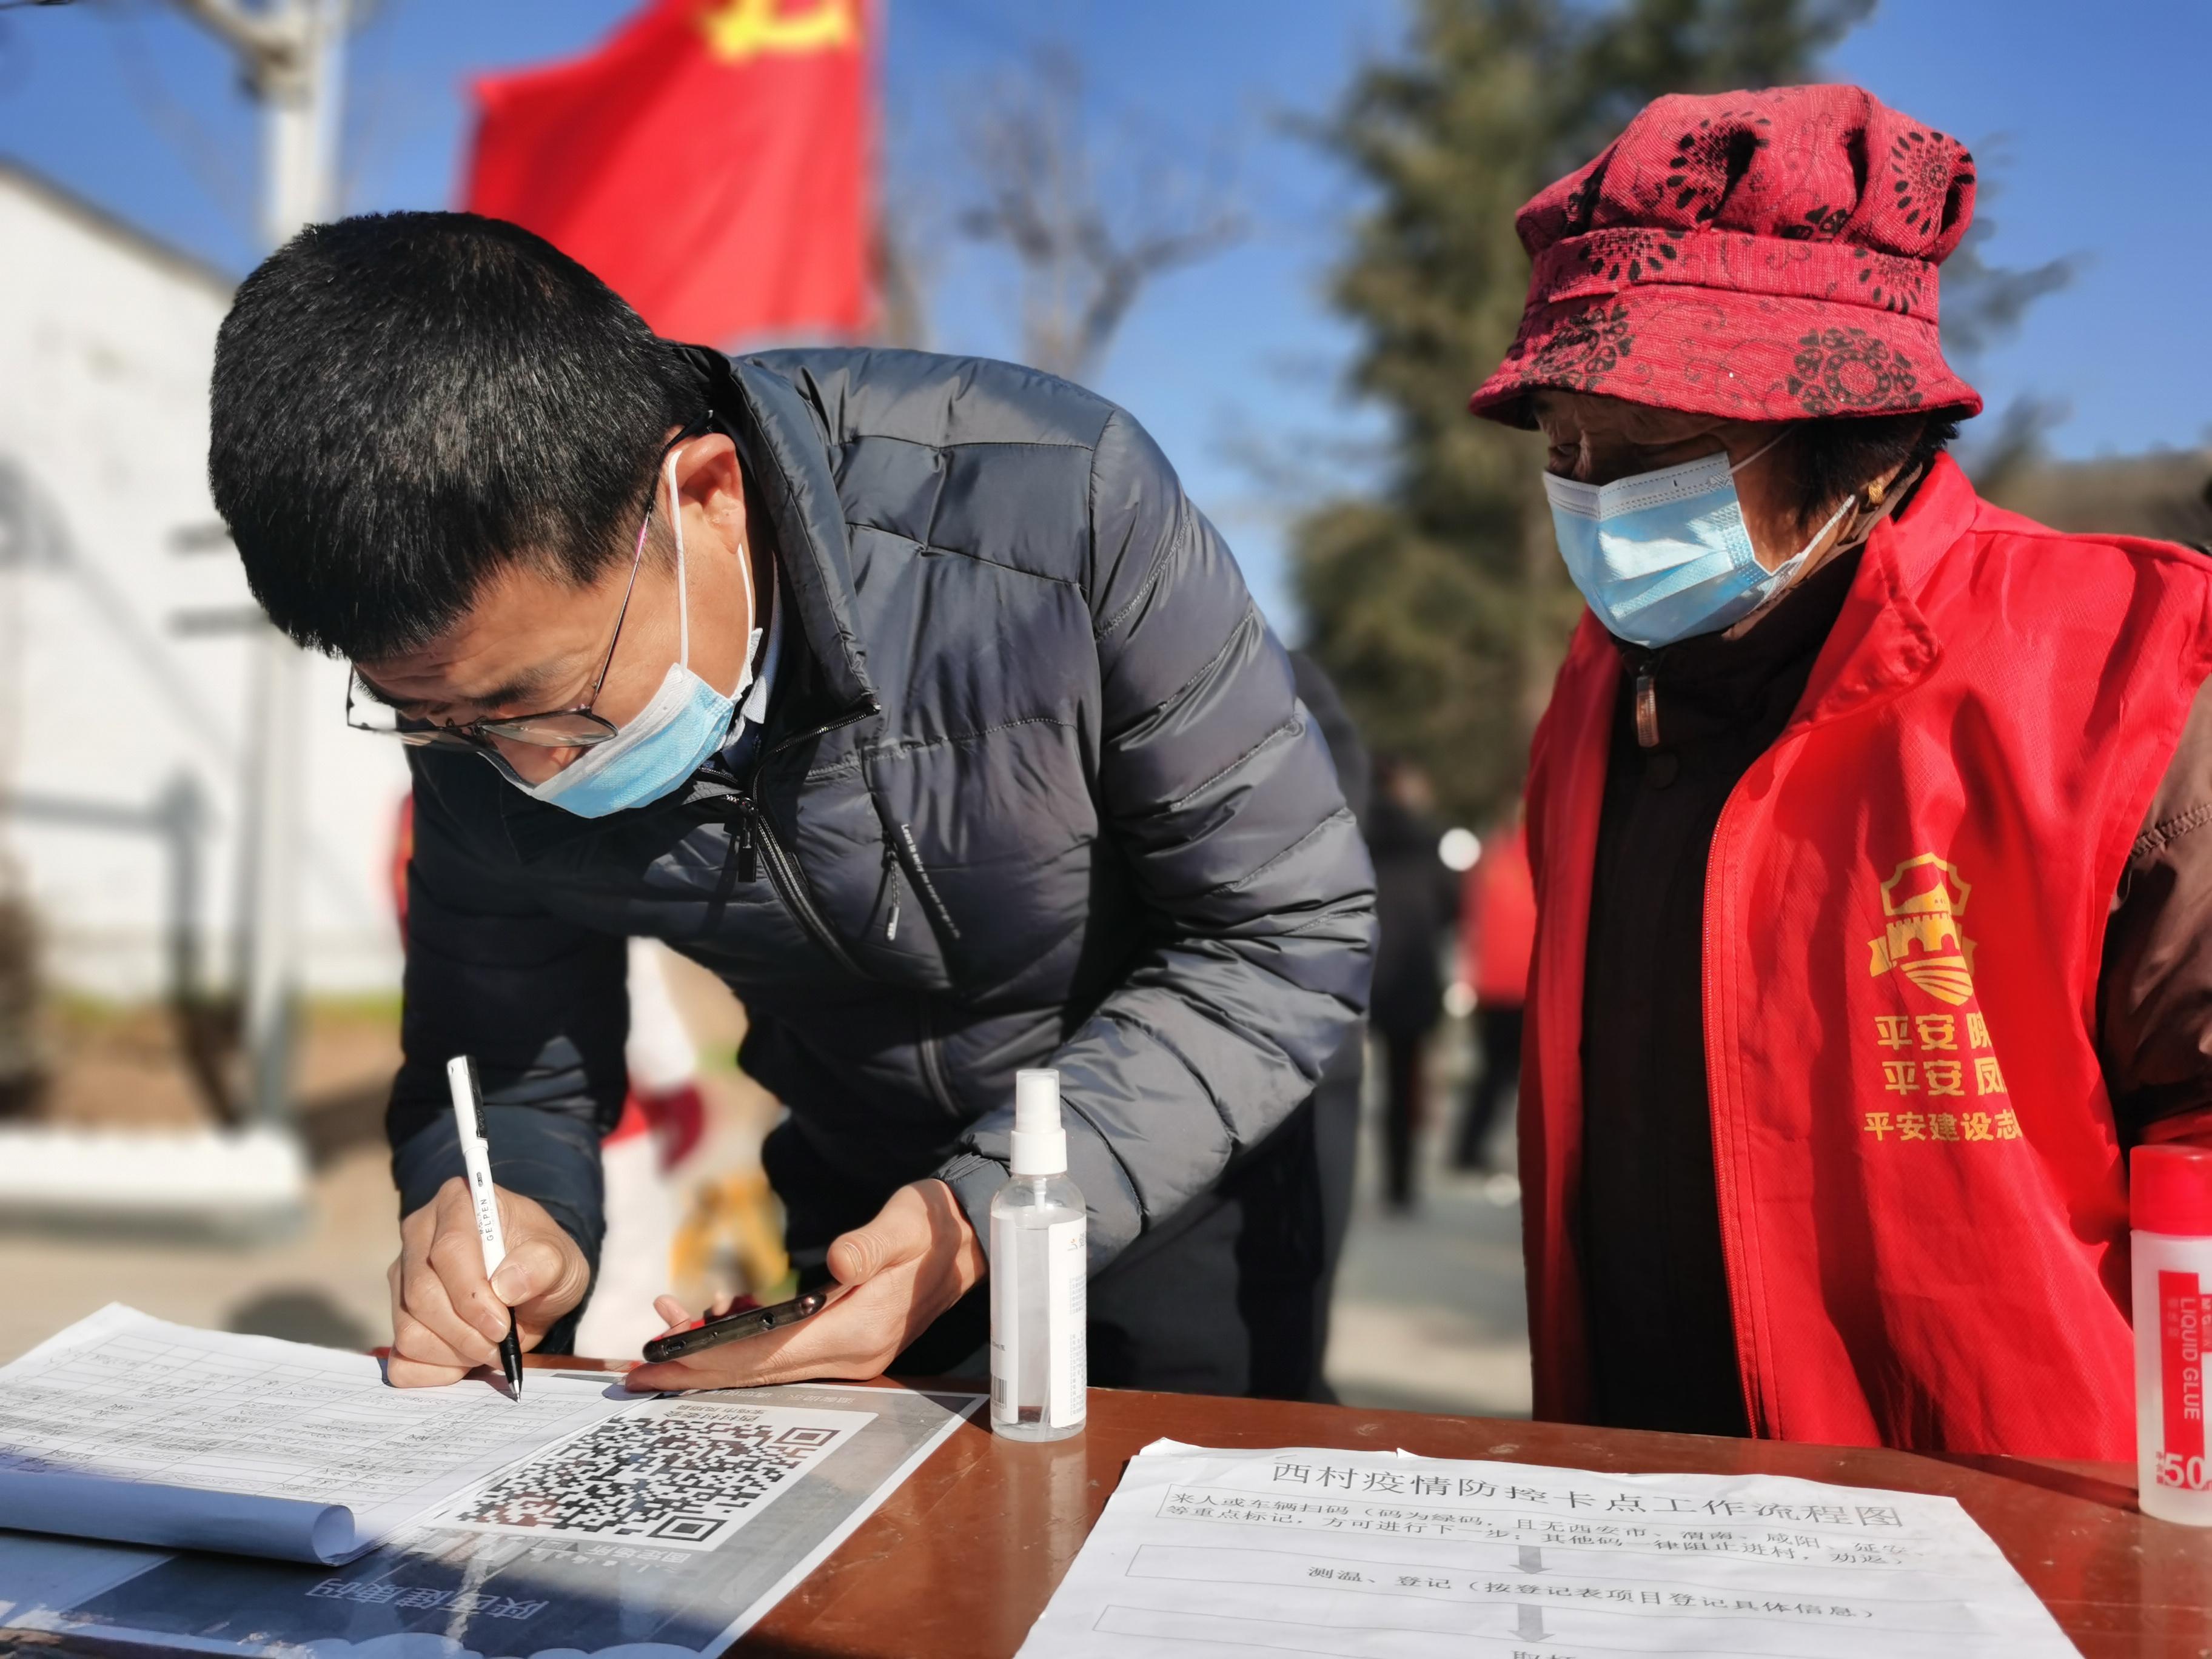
(674, 1474)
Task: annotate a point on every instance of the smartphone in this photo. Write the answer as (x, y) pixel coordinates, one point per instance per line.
(743, 1322)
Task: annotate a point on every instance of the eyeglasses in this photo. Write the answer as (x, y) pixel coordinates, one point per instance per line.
(577, 727)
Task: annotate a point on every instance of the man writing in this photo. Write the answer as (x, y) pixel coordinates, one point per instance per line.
(909, 693)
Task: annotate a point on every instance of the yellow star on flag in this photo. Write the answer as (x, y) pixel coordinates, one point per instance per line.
(742, 30)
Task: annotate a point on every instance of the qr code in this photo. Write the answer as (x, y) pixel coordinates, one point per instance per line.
(672, 1474)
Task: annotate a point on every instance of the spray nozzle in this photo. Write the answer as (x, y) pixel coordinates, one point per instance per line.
(1040, 1144)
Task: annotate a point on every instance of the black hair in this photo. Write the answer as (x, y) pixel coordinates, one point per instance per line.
(405, 403)
(1840, 455)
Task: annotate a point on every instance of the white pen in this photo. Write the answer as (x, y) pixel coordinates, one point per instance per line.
(476, 1157)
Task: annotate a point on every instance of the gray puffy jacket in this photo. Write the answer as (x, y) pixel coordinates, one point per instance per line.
(1033, 789)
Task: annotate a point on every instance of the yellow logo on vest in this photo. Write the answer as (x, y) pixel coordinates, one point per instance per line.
(744, 29)
(1925, 900)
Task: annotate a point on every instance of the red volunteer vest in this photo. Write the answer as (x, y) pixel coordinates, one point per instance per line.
(1922, 1193)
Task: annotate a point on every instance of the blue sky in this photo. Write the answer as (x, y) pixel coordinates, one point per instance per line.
(2092, 121)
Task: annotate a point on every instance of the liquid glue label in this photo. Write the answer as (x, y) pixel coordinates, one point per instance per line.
(2181, 1312)
(1005, 1315)
(1068, 1266)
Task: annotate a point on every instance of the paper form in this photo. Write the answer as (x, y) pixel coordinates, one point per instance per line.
(595, 1547)
(127, 1427)
(1372, 1555)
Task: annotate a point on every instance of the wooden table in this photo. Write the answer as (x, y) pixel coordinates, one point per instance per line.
(960, 1560)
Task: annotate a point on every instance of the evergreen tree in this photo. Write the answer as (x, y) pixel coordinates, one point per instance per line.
(1440, 607)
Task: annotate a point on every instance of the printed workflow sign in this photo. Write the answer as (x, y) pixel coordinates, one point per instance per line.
(1361, 1554)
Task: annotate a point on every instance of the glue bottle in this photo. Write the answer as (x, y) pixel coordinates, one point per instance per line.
(2170, 1193)
(1039, 1276)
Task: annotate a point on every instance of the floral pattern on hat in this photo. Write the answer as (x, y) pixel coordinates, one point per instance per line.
(1711, 156)
(1627, 255)
(1769, 359)
(1926, 174)
(1585, 348)
(1792, 235)
(1818, 224)
(1848, 371)
(1893, 283)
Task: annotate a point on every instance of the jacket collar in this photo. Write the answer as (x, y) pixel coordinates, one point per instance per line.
(1713, 683)
(1882, 641)
(823, 679)
(785, 446)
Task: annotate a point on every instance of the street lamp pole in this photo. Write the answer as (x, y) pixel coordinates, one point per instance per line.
(292, 54)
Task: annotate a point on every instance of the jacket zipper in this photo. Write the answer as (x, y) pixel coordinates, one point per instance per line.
(784, 875)
(756, 840)
(1750, 1335)
(933, 1060)
(1746, 1337)
(903, 847)
(1647, 711)
(1720, 1087)
(903, 852)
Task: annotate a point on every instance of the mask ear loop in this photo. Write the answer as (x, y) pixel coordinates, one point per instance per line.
(1819, 535)
(684, 584)
(1834, 519)
(1739, 465)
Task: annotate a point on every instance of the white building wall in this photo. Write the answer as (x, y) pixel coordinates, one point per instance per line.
(106, 343)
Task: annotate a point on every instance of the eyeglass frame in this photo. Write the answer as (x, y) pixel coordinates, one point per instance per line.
(477, 734)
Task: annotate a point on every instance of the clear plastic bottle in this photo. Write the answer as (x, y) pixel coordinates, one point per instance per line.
(2170, 1194)
(1039, 1276)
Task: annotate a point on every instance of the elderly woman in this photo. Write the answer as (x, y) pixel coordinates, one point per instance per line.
(1867, 821)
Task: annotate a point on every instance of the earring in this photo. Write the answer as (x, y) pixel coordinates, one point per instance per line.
(1875, 492)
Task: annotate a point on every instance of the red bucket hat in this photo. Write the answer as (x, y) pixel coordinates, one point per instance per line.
(1760, 256)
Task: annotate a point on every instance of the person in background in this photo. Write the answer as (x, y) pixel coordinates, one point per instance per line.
(1498, 928)
(1868, 825)
(1416, 899)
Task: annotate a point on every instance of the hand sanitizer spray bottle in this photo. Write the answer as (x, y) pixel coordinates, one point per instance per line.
(2170, 1190)
(1039, 1276)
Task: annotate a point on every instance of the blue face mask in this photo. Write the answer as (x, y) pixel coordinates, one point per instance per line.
(659, 747)
(1664, 555)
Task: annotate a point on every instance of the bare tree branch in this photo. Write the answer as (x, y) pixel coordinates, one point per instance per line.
(1087, 247)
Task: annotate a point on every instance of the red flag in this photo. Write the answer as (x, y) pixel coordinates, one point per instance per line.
(710, 163)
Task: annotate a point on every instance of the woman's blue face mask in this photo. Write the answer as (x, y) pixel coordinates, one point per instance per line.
(1663, 555)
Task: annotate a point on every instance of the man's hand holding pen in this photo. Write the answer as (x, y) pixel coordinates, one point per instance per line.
(914, 1260)
(448, 1317)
